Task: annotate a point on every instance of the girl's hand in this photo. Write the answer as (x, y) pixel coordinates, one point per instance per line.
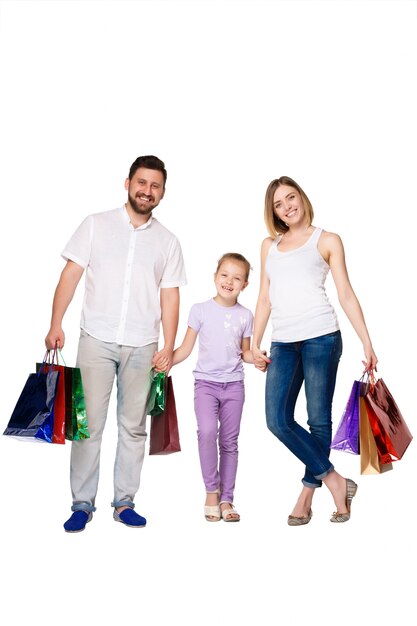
(260, 359)
(162, 361)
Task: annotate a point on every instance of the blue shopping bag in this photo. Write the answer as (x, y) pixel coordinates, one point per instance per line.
(33, 415)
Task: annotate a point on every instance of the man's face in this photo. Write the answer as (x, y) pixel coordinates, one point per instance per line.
(145, 190)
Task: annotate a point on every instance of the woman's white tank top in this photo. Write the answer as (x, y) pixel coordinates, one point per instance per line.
(300, 308)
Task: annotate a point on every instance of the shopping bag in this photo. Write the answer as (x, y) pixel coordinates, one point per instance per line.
(156, 398)
(33, 415)
(370, 461)
(387, 423)
(58, 435)
(347, 434)
(71, 417)
(164, 436)
(76, 421)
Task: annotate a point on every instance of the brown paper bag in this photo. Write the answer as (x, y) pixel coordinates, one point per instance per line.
(370, 461)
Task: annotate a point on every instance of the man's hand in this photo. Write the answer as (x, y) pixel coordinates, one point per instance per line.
(55, 338)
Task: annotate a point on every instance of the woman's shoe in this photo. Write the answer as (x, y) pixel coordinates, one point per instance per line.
(229, 514)
(351, 489)
(293, 520)
(212, 511)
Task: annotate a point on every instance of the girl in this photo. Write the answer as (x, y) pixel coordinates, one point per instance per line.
(224, 327)
(306, 340)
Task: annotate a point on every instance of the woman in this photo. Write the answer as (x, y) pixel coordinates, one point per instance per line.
(306, 340)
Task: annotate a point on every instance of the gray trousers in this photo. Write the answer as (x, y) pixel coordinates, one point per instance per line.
(100, 362)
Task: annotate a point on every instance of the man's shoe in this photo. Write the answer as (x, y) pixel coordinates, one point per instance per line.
(77, 522)
(128, 517)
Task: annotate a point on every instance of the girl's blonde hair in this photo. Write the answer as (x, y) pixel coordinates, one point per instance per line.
(274, 225)
(235, 256)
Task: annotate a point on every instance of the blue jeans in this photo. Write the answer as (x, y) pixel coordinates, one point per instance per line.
(314, 361)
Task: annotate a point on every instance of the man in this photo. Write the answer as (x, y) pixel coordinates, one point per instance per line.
(134, 268)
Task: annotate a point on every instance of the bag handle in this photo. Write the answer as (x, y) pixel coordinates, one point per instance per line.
(51, 358)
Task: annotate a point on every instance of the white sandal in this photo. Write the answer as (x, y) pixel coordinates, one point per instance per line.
(227, 513)
(212, 511)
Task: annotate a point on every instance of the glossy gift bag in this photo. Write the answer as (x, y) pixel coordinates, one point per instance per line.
(70, 416)
(347, 434)
(388, 425)
(76, 421)
(164, 436)
(33, 415)
(58, 434)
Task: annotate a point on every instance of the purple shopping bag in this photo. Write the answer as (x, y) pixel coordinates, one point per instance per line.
(347, 434)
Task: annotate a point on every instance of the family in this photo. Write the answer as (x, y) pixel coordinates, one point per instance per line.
(134, 268)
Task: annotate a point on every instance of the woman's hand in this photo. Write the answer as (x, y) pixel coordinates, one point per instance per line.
(260, 359)
(371, 359)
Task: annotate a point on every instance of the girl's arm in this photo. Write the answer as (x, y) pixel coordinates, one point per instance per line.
(262, 311)
(185, 349)
(247, 355)
(331, 248)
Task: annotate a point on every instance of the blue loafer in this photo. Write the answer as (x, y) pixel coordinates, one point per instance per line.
(77, 522)
(128, 517)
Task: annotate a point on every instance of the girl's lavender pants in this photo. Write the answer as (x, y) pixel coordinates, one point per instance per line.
(218, 407)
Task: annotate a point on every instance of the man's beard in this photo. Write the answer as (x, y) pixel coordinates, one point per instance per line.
(139, 208)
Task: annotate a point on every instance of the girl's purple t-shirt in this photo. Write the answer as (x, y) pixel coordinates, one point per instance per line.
(221, 330)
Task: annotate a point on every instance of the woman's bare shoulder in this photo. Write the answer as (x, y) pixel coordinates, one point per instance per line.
(330, 239)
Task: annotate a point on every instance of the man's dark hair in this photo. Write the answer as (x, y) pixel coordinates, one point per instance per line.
(150, 162)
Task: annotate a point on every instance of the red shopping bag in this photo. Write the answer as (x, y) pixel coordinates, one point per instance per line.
(70, 417)
(164, 437)
(388, 425)
(58, 434)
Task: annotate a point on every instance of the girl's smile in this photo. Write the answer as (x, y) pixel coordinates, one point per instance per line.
(230, 280)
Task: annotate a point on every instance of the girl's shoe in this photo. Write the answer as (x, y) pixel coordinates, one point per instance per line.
(351, 489)
(229, 514)
(212, 511)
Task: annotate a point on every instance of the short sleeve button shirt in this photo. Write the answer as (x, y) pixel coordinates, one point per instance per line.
(125, 268)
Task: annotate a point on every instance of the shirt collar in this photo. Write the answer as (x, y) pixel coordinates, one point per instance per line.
(126, 218)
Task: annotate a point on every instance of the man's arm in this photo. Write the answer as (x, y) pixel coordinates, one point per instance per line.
(170, 307)
(64, 293)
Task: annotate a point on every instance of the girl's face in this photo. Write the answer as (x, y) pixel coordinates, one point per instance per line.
(230, 280)
(288, 205)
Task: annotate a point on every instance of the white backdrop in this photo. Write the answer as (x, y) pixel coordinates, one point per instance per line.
(230, 95)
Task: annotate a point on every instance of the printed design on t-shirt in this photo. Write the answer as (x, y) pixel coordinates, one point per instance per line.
(233, 334)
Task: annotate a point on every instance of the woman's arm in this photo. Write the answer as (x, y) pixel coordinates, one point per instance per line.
(185, 349)
(262, 311)
(331, 248)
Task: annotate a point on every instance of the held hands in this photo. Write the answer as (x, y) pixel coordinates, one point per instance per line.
(260, 359)
(162, 360)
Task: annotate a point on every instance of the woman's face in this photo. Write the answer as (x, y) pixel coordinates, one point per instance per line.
(288, 205)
